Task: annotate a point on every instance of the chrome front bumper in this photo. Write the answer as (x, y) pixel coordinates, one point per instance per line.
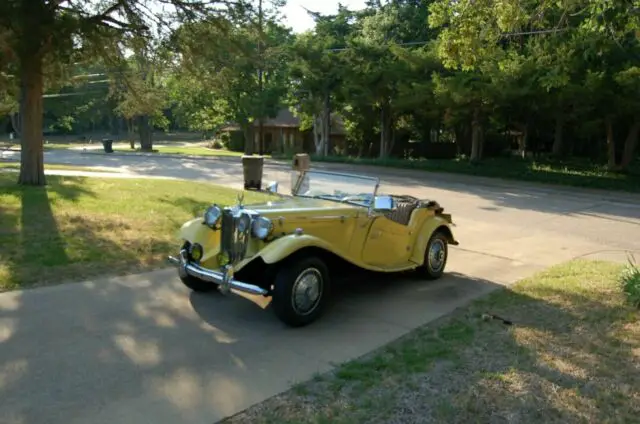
(223, 278)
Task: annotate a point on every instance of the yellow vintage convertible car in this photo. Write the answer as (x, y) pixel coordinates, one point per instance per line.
(291, 248)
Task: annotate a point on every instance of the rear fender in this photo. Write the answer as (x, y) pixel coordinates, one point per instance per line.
(436, 223)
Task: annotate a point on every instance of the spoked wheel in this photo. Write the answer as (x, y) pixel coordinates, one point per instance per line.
(301, 290)
(435, 257)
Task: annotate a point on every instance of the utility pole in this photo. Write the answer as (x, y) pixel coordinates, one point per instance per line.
(260, 84)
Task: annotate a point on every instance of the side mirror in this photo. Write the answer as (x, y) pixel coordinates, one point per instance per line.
(383, 203)
(272, 187)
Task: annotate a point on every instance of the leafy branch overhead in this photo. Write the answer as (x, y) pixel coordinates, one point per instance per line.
(38, 34)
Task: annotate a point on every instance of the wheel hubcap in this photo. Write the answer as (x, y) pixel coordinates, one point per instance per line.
(436, 255)
(307, 291)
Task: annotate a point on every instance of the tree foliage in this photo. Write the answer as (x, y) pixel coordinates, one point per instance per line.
(39, 39)
(407, 78)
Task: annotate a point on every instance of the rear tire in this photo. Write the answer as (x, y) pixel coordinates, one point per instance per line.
(197, 285)
(435, 257)
(301, 290)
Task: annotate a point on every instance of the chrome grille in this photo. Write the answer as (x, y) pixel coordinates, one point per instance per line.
(235, 232)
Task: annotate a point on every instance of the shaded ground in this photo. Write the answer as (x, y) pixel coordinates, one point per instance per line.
(78, 227)
(571, 356)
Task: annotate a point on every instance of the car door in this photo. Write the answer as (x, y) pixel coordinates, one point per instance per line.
(387, 244)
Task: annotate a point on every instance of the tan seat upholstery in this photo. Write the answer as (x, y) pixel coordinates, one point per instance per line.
(402, 213)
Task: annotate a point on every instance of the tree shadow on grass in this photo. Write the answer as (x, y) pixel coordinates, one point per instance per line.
(193, 206)
(33, 239)
(51, 239)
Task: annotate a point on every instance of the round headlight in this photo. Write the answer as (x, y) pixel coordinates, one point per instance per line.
(261, 227)
(212, 215)
(196, 252)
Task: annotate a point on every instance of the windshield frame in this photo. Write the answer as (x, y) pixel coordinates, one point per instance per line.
(374, 180)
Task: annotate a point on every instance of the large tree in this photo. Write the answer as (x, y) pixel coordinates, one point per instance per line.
(36, 33)
(238, 67)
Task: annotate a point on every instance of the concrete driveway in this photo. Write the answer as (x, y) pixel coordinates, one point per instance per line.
(143, 349)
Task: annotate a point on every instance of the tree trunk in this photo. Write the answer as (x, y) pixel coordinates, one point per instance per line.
(144, 131)
(261, 136)
(611, 144)
(459, 134)
(476, 151)
(327, 123)
(318, 138)
(248, 139)
(16, 123)
(481, 142)
(385, 124)
(31, 110)
(524, 141)
(381, 153)
(463, 138)
(558, 142)
(392, 138)
(630, 145)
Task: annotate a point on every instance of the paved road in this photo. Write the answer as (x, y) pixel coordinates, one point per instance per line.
(143, 349)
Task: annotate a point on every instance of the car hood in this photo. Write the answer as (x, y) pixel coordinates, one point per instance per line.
(287, 205)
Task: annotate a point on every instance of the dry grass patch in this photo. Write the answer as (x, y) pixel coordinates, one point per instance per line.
(77, 228)
(572, 355)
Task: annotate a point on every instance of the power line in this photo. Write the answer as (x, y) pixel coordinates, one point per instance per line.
(504, 35)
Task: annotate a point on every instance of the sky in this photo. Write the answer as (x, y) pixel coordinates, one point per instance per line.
(298, 19)
(294, 14)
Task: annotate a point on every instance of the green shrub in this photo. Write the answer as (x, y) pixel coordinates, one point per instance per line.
(630, 280)
(236, 141)
(216, 144)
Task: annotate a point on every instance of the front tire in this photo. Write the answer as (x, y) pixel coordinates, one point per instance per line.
(300, 291)
(435, 256)
(197, 285)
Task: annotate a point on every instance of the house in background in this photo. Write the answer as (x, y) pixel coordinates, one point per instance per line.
(282, 134)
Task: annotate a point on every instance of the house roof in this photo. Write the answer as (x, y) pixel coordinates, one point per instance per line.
(286, 119)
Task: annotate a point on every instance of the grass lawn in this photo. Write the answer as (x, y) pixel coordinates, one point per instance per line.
(16, 166)
(77, 228)
(572, 355)
(576, 173)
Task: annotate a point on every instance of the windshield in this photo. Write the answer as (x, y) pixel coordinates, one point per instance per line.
(345, 188)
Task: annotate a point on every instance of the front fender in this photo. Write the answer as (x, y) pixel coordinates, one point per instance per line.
(424, 234)
(194, 231)
(281, 248)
